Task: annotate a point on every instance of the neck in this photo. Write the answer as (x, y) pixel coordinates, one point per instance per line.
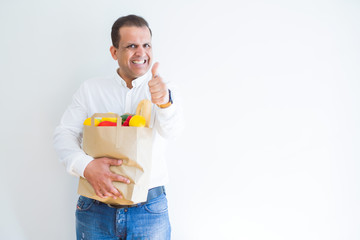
(127, 80)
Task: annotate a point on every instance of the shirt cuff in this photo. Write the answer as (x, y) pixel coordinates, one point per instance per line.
(168, 111)
(80, 164)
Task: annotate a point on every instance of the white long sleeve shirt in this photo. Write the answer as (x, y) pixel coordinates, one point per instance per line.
(110, 94)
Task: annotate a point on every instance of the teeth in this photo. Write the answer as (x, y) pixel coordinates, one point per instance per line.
(139, 62)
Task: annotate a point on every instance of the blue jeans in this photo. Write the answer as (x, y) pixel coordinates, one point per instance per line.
(97, 221)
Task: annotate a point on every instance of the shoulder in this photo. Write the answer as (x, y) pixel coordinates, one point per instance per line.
(98, 84)
(95, 85)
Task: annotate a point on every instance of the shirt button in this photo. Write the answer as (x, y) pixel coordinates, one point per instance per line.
(125, 210)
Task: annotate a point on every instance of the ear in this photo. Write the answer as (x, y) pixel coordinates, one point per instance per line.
(113, 51)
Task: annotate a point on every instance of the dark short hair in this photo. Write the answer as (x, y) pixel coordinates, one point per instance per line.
(129, 21)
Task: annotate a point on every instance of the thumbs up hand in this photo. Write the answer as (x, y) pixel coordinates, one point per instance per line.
(158, 89)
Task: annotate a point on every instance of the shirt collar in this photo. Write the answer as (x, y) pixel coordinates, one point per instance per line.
(135, 83)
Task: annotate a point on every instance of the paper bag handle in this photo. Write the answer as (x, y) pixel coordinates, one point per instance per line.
(115, 115)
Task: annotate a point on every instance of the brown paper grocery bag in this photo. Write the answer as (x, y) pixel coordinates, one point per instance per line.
(131, 144)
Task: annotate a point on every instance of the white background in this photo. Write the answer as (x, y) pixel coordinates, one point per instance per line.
(271, 96)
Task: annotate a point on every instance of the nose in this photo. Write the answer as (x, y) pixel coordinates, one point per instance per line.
(140, 51)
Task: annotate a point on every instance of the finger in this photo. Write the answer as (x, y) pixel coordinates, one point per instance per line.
(157, 84)
(152, 83)
(119, 178)
(155, 89)
(155, 81)
(158, 95)
(108, 190)
(99, 193)
(107, 194)
(111, 190)
(115, 192)
(114, 162)
(154, 70)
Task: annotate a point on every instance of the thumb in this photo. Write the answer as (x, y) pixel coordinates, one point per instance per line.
(154, 69)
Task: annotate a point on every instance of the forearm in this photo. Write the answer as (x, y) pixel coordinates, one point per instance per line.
(169, 121)
(67, 144)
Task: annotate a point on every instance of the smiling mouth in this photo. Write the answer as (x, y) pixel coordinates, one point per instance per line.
(139, 61)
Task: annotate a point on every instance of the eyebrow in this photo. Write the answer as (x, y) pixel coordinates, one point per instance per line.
(136, 44)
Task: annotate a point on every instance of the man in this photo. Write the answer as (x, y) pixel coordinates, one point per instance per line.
(136, 78)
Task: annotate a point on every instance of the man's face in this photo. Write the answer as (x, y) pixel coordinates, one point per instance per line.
(134, 54)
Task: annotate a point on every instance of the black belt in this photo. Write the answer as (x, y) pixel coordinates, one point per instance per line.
(152, 193)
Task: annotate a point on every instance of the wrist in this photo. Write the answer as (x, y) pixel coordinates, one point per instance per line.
(168, 104)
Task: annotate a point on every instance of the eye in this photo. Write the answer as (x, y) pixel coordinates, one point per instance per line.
(131, 46)
(146, 45)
